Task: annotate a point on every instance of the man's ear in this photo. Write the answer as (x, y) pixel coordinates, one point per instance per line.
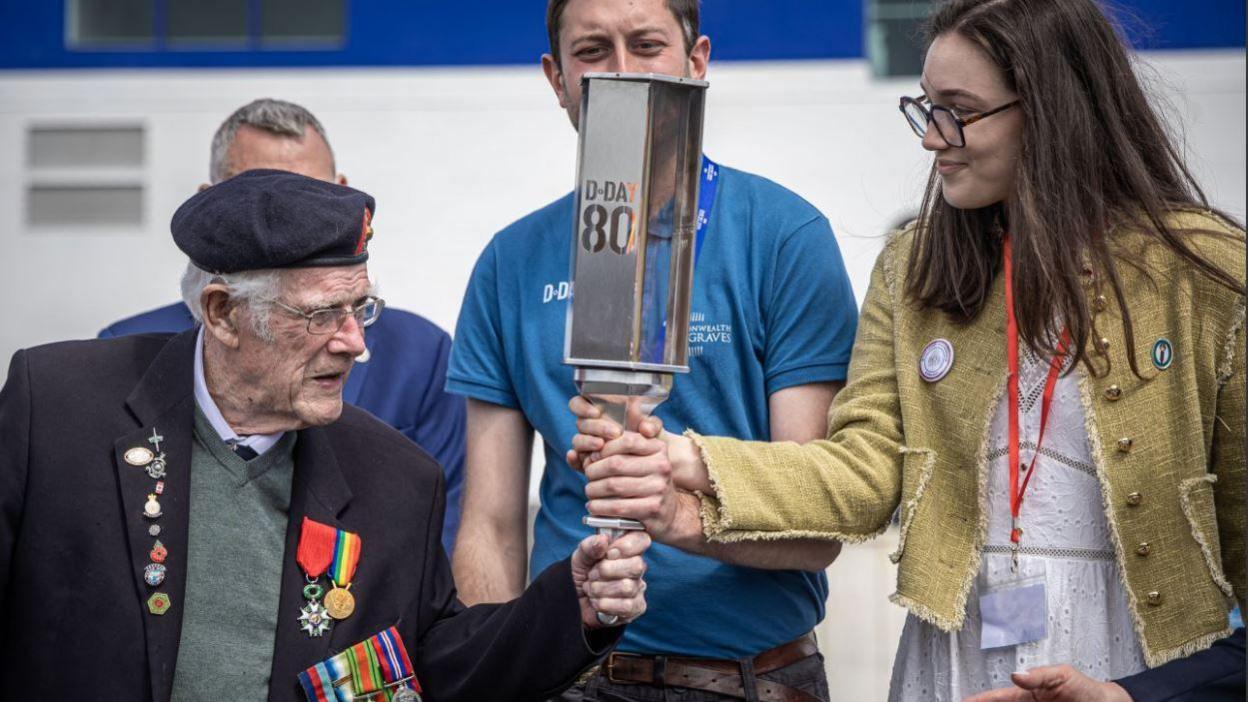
(342, 179)
(554, 75)
(699, 57)
(220, 315)
(203, 187)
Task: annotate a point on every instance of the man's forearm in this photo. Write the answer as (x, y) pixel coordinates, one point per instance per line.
(490, 565)
(686, 534)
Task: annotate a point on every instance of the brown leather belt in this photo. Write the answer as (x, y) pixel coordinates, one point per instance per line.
(714, 675)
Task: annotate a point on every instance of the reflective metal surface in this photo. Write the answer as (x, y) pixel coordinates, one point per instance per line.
(633, 244)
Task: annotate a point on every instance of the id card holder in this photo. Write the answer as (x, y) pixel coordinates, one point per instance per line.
(1013, 613)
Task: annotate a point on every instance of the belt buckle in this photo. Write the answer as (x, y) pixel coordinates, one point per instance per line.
(610, 666)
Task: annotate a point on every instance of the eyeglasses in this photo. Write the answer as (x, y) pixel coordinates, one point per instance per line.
(330, 319)
(948, 124)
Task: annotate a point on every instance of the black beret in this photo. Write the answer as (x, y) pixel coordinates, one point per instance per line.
(274, 219)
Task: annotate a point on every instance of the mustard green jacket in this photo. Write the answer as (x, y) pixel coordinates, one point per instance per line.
(1169, 448)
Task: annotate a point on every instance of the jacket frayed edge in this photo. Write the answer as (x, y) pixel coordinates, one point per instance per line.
(714, 519)
(1102, 477)
(732, 537)
(1214, 565)
(981, 531)
(912, 506)
(1227, 367)
(1200, 643)
(926, 613)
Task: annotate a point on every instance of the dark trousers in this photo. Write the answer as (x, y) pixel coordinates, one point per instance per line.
(806, 675)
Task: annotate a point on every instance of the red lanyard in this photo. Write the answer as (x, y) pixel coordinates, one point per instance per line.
(1055, 369)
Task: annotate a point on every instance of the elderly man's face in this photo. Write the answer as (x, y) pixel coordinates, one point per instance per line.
(296, 380)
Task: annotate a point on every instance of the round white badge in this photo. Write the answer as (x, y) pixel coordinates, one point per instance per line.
(139, 456)
(936, 360)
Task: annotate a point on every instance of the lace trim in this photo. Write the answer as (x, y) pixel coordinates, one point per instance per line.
(1048, 453)
(1083, 554)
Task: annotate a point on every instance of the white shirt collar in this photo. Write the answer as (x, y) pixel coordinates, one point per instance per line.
(257, 442)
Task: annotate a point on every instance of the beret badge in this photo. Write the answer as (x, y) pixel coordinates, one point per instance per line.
(366, 233)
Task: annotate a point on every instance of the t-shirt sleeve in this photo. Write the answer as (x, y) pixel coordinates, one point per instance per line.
(811, 315)
(478, 367)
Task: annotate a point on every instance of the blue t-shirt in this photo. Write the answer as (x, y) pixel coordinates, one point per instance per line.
(772, 308)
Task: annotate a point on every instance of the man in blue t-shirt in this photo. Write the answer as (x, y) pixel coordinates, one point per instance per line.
(772, 324)
(400, 379)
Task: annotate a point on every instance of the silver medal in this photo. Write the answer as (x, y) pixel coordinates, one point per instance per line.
(313, 619)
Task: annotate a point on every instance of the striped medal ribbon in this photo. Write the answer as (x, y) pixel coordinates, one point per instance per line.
(377, 669)
(339, 602)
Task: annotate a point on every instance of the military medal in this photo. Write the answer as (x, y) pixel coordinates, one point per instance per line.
(313, 620)
(314, 554)
(377, 669)
(339, 602)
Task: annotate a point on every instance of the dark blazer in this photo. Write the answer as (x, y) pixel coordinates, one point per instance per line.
(74, 623)
(403, 383)
(1215, 674)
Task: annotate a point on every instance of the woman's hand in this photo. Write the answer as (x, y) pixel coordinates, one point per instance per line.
(600, 438)
(1055, 683)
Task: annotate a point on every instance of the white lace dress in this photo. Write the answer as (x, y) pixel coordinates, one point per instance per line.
(1065, 542)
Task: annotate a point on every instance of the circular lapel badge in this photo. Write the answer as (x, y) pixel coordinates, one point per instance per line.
(936, 360)
(154, 574)
(1163, 353)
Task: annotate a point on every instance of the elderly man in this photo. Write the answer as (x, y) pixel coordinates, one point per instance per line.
(773, 325)
(142, 558)
(400, 376)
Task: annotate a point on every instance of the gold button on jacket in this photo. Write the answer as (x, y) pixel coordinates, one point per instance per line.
(898, 441)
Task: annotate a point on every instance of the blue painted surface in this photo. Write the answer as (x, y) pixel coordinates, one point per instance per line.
(484, 32)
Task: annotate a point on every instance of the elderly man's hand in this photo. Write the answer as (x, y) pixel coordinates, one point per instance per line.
(608, 577)
(1055, 683)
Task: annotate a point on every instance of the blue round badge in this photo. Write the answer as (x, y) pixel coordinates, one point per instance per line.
(1163, 353)
(154, 574)
(936, 360)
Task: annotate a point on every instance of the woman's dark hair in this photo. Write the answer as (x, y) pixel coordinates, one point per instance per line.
(1095, 156)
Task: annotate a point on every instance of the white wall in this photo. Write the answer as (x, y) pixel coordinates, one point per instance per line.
(452, 155)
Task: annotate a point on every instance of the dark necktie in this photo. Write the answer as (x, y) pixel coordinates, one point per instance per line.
(244, 452)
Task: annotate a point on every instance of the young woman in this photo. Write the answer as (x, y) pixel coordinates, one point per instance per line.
(1048, 381)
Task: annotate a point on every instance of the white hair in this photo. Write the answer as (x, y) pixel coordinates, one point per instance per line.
(255, 289)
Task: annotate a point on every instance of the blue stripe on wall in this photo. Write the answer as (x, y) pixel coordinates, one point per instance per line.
(1183, 24)
(483, 32)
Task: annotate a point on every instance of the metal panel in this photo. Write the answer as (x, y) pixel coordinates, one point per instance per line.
(85, 147)
(84, 206)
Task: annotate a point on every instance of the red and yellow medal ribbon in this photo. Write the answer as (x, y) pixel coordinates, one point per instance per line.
(346, 555)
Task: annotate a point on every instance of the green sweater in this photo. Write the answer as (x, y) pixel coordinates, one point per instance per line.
(238, 516)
